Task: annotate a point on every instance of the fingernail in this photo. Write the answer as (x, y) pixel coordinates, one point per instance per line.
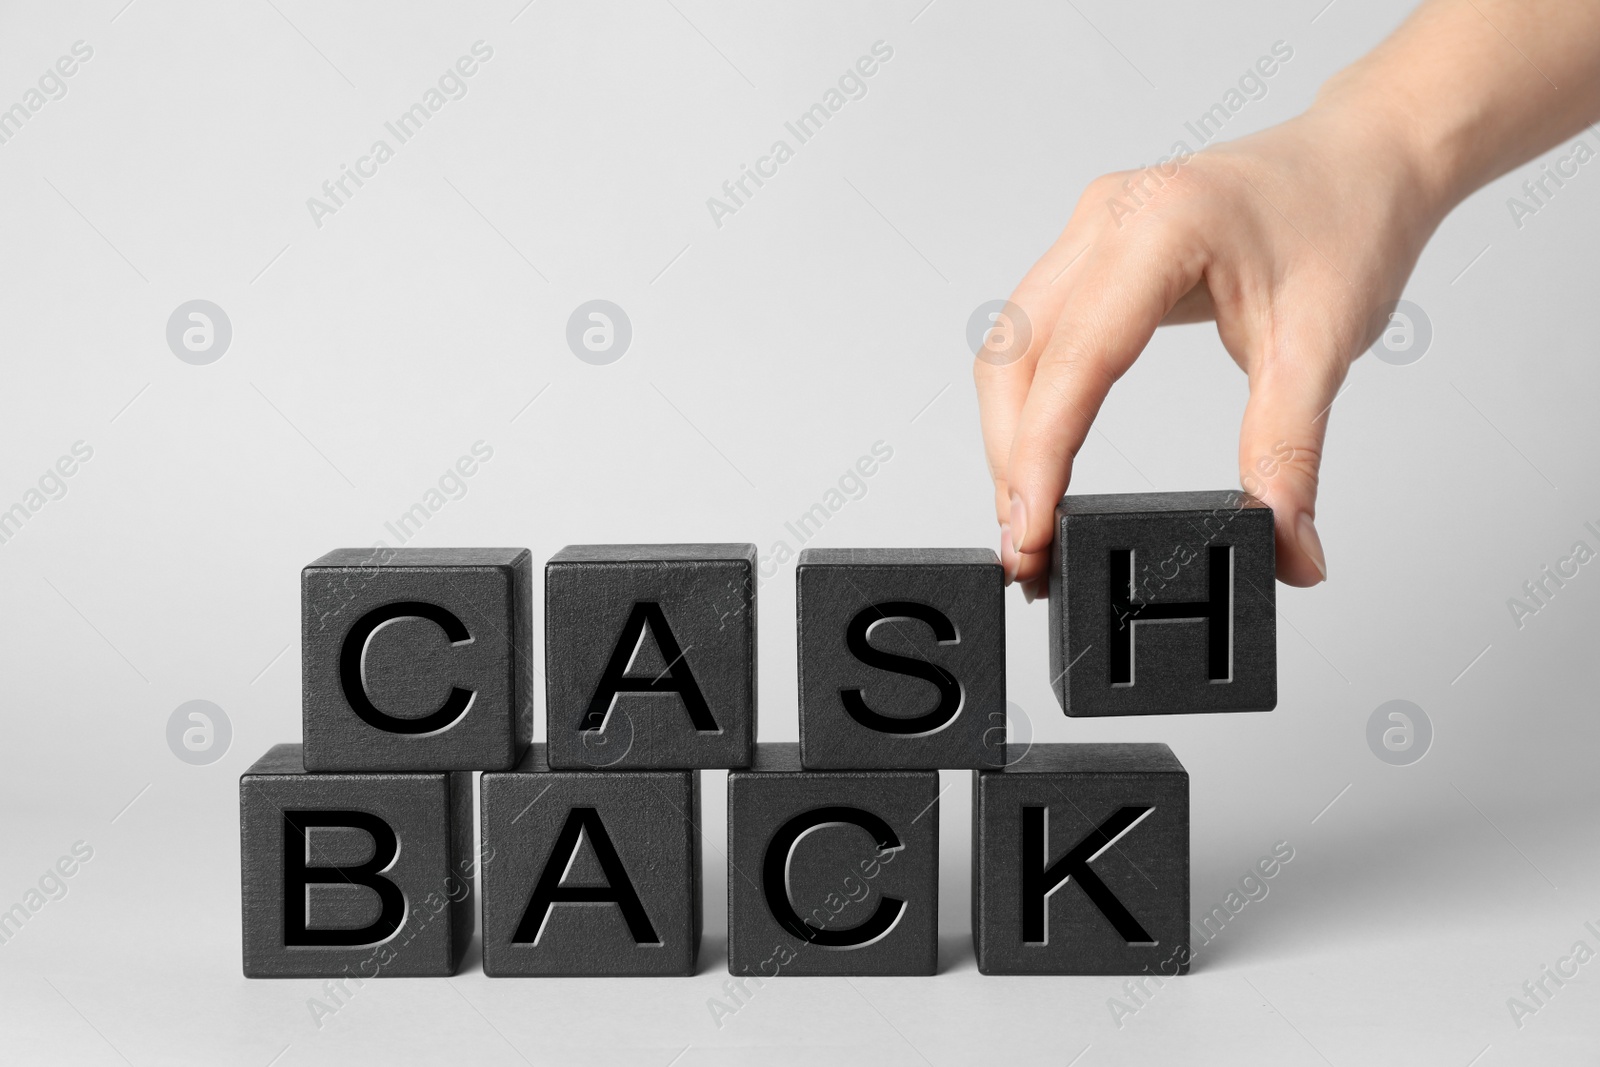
(1311, 544)
(1008, 553)
(1027, 594)
(1019, 522)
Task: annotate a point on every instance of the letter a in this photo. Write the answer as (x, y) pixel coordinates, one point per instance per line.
(675, 678)
(618, 888)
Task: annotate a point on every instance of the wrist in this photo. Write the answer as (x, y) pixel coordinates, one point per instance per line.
(1428, 147)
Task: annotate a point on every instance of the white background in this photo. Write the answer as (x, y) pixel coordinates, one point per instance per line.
(768, 354)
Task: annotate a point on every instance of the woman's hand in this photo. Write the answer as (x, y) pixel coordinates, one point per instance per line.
(1295, 241)
(1292, 240)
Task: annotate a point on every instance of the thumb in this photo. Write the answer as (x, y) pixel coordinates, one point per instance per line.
(1280, 454)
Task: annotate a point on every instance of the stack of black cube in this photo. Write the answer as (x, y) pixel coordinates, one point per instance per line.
(358, 847)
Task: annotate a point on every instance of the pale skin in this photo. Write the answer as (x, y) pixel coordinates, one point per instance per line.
(1293, 241)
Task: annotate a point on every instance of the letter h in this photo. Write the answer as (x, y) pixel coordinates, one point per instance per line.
(1216, 612)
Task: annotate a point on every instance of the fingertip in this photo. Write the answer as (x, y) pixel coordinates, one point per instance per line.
(1019, 520)
(1033, 568)
(1009, 559)
(1301, 561)
(1311, 544)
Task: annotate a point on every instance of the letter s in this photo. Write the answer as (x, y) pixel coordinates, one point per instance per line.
(950, 690)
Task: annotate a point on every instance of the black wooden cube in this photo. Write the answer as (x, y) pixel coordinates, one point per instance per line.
(354, 875)
(417, 659)
(831, 872)
(902, 658)
(590, 872)
(1080, 862)
(650, 656)
(1163, 603)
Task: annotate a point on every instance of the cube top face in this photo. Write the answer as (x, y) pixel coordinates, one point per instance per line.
(353, 875)
(1163, 603)
(417, 659)
(1124, 758)
(650, 656)
(590, 872)
(899, 557)
(342, 558)
(1081, 863)
(778, 758)
(1203, 502)
(901, 658)
(679, 553)
(831, 873)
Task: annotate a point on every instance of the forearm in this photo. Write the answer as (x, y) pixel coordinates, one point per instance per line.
(1466, 90)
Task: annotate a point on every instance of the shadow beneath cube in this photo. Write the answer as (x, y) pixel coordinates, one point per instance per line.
(955, 954)
(472, 962)
(713, 955)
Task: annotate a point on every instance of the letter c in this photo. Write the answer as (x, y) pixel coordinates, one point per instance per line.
(352, 658)
(775, 877)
